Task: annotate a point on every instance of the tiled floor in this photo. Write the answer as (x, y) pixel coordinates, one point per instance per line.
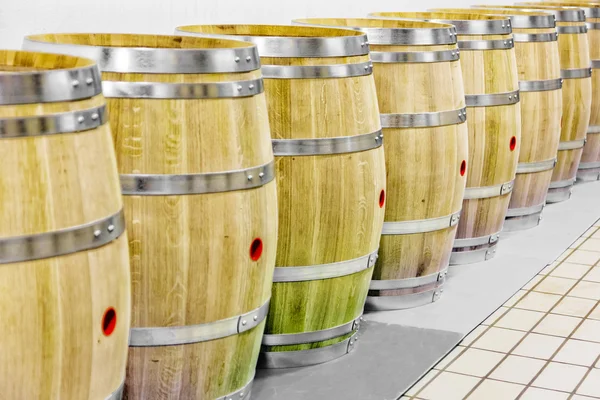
(542, 344)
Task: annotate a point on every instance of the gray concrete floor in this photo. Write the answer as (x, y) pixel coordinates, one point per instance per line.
(397, 347)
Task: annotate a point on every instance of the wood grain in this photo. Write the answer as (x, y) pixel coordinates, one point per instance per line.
(423, 175)
(190, 261)
(576, 94)
(490, 161)
(540, 111)
(52, 342)
(328, 204)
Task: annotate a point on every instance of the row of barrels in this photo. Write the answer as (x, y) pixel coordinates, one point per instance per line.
(251, 177)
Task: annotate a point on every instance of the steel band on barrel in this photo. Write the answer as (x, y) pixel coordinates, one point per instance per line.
(500, 44)
(415, 56)
(571, 145)
(485, 192)
(420, 226)
(185, 184)
(540, 86)
(415, 37)
(53, 124)
(519, 212)
(317, 71)
(324, 271)
(576, 73)
(422, 120)
(571, 29)
(178, 335)
(145, 60)
(492, 99)
(62, 241)
(538, 166)
(49, 86)
(562, 184)
(535, 37)
(326, 146)
(159, 90)
(288, 339)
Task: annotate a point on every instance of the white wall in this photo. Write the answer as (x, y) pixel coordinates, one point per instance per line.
(22, 17)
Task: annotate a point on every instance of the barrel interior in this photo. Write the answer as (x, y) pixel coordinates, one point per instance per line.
(269, 30)
(23, 61)
(133, 40)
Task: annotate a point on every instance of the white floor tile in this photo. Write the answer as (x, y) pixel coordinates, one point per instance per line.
(560, 377)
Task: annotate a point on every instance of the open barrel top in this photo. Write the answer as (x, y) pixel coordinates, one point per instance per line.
(392, 31)
(132, 53)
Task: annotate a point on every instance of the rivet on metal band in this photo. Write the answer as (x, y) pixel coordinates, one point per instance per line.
(292, 47)
(63, 241)
(576, 73)
(571, 145)
(423, 120)
(240, 394)
(288, 339)
(159, 90)
(486, 192)
(145, 60)
(49, 86)
(492, 99)
(52, 124)
(593, 129)
(592, 26)
(317, 71)
(325, 146)
(117, 394)
(303, 358)
(538, 166)
(478, 241)
(324, 271)
(394, 284)
(420, 226)
(415, 56)
(571, 29)
(412, 37)
(212, 182)
(562, 184)
(540, 86)
(178, 335)
(535, 37)
(519, 212)
(466, 45)
(589, 165)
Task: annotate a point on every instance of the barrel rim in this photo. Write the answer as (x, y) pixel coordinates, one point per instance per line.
(520, 19)
(342, 43)
(48, 85)
(482, 25)
(444, 34)
(592, 10)
(562, 13)
(536, 19)
(153, 60)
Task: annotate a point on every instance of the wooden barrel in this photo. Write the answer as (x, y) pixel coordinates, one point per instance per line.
(421, 97)
(490, 77)
(331, 185)
(538, 66)
(577, 95)
(191, 133)
(589, 167)
(64, 278)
